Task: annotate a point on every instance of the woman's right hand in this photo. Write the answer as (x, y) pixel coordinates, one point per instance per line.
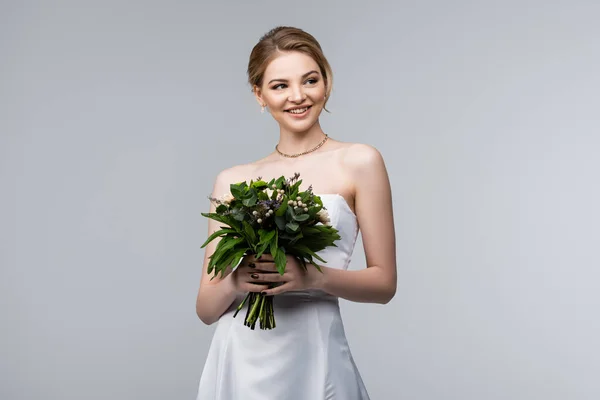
(244, 276)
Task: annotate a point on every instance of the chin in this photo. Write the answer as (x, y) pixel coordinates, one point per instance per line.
(300, 127)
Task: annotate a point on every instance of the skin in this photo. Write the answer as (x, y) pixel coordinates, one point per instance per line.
(355, 171)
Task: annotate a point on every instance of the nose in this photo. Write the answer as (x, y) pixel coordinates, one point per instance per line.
(296, 95)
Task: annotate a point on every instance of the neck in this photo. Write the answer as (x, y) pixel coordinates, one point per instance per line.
(298, 142)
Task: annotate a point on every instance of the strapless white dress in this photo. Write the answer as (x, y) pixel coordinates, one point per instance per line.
(306, 356)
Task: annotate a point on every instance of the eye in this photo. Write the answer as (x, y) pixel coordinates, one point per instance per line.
(312, 81)
(279, 86)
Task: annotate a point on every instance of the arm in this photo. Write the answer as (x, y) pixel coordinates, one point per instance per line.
(373, 206)
(216, 295)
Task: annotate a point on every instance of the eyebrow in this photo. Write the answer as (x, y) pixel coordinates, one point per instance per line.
(285, 80)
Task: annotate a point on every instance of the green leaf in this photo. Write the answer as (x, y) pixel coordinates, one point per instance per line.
(282, 208)
(216, 217)
(261, 249)
(262, 196)
(290, 214)
(216, 235)
(238, 214)
(292, 226)
(237, 257)
(236, 190)
(280, 222)
(280, 260)
(286, 236)
(232, 258)
(221, 208)
(228, 243)
(274, 244)
(249, 231)
(259, 185)
(266, 236)
(311, 230)
(250, 199)
(296, 238)
(297, 185)
(279, 182)
(301, 217)
(309, 251)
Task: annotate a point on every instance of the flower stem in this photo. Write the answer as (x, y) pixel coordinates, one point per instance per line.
(251, 320)
(260, 307)
(241, 305)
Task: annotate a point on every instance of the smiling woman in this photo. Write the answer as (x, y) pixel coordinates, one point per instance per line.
(293, 86)
(306, 357)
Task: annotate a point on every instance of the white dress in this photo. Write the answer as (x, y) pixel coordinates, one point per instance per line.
(306, 356)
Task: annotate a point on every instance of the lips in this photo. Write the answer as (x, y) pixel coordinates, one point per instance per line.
(298, 110)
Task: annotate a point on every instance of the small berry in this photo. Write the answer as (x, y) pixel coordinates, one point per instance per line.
(259, 221)
(305, 209)
(298, 198)
(254, 212)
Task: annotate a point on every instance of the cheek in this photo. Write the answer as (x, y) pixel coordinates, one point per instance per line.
(318, 94)
(275, 102)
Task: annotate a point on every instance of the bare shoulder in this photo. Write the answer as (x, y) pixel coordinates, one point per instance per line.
(235, 174)
(360, 157)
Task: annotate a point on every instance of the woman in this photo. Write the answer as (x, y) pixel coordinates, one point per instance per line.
(306, 357)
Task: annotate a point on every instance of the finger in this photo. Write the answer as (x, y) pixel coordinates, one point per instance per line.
(253, 287)
(246, 269)
(279, 289)
(265, 257)
(266, 266)
(269, 277)
(250, 259)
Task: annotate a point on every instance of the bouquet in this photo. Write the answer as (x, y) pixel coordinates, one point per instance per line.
(268, 217)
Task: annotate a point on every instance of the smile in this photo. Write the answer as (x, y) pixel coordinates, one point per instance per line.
(299, 111)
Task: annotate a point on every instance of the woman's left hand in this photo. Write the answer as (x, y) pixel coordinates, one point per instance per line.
(294, 278)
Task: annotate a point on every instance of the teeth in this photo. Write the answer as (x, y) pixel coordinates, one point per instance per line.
(299, 110)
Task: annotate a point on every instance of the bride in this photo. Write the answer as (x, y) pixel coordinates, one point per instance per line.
(306, 357)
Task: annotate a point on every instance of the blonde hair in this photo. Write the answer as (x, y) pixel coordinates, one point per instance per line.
(284, 39)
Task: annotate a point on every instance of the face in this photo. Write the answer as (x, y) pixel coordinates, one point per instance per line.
(294, 91)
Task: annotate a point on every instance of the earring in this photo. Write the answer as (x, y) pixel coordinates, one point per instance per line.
(262, 109)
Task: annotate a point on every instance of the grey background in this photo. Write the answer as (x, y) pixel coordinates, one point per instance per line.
(115, 118)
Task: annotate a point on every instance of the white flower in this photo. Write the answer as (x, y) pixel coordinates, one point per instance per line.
(227, 198)
(323, 216)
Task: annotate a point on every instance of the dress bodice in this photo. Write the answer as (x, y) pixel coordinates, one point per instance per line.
(306, 356)
(345, 221)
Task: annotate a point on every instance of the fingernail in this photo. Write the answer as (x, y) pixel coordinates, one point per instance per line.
(254, 276)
